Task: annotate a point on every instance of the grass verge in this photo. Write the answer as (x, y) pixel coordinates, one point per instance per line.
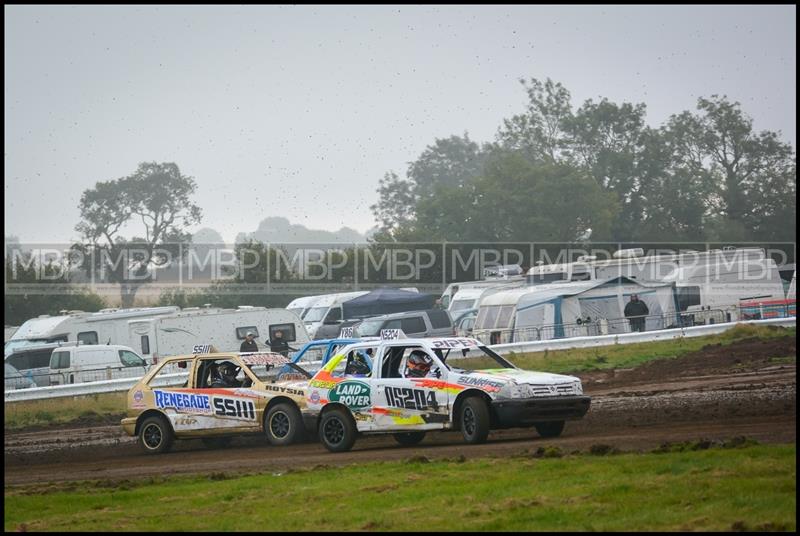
(632, 355)
(94, 409)
(744, 487)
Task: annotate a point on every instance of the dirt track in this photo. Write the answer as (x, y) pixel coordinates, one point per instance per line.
(716, 393)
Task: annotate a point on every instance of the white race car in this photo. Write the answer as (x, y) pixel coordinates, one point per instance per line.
(409, 386)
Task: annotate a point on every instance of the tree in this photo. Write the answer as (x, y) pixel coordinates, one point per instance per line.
(156, 194)
(540, 132)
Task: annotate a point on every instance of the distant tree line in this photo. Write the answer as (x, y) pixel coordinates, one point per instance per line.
(553, 172)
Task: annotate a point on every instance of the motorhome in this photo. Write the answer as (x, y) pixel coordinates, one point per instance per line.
(107, 326)
(328, 308)
(301, 306)
(161, 331)
(9, 331)
(571, 309)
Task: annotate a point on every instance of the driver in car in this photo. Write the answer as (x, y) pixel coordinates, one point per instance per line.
(226, 376)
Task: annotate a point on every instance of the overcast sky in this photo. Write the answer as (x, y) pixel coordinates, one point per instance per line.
(298, 111)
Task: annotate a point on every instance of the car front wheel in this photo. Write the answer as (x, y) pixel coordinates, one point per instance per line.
(474, 420)
(337, 430)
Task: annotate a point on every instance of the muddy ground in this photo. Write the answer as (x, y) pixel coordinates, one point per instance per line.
(717, 393)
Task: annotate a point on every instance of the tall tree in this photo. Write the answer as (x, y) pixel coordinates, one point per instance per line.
(540, 132)
(158, 196)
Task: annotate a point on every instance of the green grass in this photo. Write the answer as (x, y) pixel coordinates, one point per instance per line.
(632, 355)
(750, 487)
(62, 410)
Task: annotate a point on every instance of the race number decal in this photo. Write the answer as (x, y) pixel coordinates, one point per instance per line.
(390, 334)
(408, 398)
(346, 333)
(234, 407)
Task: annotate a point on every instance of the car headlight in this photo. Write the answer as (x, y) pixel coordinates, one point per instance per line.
(578, 388)
(514, 390)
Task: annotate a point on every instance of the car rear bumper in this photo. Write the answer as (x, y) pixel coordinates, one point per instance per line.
(529, 411)
(129, 425)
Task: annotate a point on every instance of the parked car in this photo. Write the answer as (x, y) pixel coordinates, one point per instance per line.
(408, 387)
(14, 379)
(427, 323)
(164, 406)
(466, 323)
(91, 363)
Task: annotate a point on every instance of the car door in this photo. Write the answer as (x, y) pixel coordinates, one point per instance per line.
(404, 403)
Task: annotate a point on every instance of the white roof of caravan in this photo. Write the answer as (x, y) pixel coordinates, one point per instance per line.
(305, 301)
(542, 293)
(327, 300)
(38, 327)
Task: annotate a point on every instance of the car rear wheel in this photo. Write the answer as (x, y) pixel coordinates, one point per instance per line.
(474, 420)
(550, 429)
(283, 424)
(337, 430)
(409, 438)
(216, 442)
(155, 435)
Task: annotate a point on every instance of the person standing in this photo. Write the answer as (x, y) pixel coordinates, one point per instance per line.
(279, 345)
(635, 312)
(249, 343)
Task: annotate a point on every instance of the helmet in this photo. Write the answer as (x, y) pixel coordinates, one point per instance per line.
(418, 364)
(358, 365)
(227, 371)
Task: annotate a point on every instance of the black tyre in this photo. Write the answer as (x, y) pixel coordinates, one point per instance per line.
(409, 438)
(283, 424)
(216, 442)
(550, 429)
(337, 430)
(474, 420)
(156, 435)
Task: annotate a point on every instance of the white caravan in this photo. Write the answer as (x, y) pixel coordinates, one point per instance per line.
(717, 280)
(448, 296)
(470, 298)
(107, 326)
(224, 329)
(574, 309)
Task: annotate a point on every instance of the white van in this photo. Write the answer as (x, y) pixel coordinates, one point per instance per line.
(328, 309)
(301, 306)
(91, 363)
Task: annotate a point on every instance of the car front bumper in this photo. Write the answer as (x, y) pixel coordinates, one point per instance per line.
(129, 425)
(529, 411)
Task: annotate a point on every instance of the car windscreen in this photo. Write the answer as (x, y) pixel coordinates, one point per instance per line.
(460, 305)
(315, 314)
(369, 328)
(480, 358)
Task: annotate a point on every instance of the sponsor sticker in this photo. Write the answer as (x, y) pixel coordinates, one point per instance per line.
(137, 399)
(352, 394)
(454, 343)
(315, 397)
(182, 402)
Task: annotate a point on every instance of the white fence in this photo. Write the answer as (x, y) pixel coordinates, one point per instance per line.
(124, 384)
